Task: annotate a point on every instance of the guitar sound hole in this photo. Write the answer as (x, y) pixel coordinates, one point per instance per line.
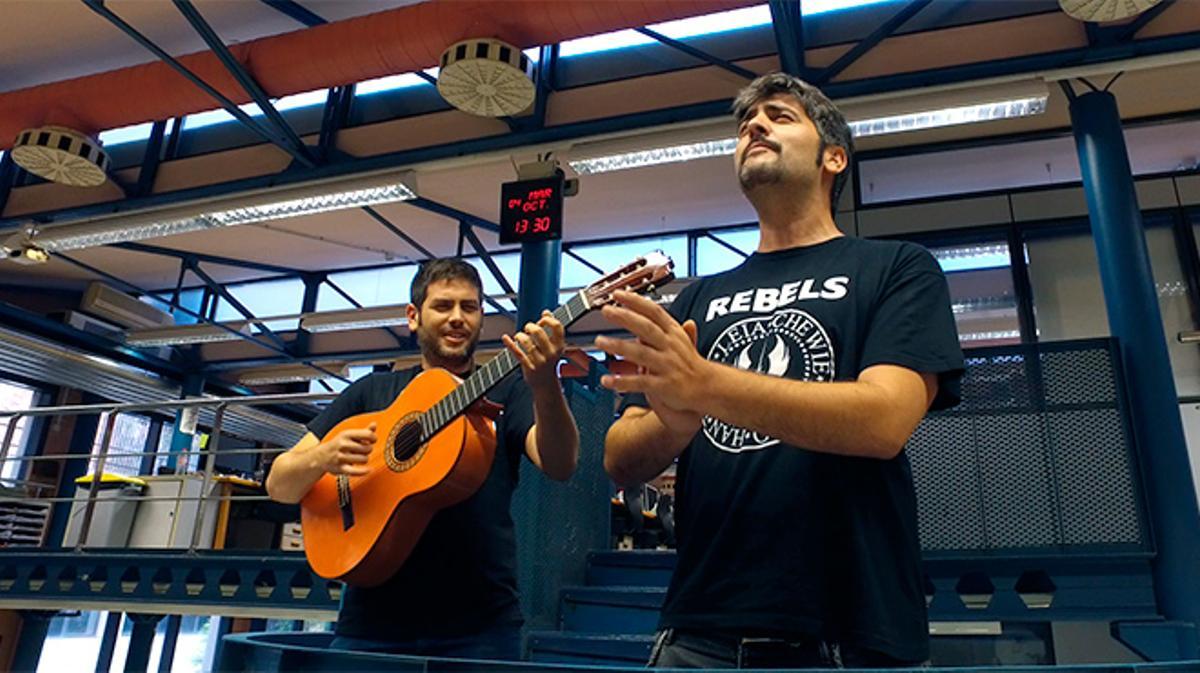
(407, 442)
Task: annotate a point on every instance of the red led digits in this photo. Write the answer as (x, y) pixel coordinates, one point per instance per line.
(531, 210)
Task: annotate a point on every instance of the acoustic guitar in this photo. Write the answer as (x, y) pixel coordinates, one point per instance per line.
(434, 449)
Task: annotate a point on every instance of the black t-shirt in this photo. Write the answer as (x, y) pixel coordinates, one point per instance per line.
(778, 540)
(461, 577)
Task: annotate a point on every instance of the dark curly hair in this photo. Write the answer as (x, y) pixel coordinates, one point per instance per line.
(829, 120)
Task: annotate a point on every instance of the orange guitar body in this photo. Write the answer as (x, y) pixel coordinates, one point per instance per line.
(392, 504)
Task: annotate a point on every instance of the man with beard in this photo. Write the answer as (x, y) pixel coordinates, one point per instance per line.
(787, 388)
(456, 594)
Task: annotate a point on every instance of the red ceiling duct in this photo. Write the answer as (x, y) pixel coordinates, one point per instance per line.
(395, 41)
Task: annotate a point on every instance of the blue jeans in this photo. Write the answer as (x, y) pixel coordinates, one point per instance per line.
(500, 642)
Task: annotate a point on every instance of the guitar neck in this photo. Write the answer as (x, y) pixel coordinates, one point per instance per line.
(492, 372)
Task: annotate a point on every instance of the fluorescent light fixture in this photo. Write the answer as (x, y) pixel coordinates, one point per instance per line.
(869, 116)
(355, 318)
(231, 211)
(179, 335)
(989, 336)
(966, 114)
(652, 157)
(972, 258)
(296, 373)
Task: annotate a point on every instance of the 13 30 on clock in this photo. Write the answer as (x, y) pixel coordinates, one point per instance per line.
(531, 210)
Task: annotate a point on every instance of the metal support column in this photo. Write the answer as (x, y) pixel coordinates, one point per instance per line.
(537, 289)
(141, 642)
(34, 625)
(1136, 321)
(108, 642)
(167, 658)
(308, 304)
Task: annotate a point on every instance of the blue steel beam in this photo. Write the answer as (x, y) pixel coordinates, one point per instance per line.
(547, 82)
(334, 116)
(238, 306)
(151, 158)
(396, 230)
(727, 244)
(788, 24)
(571, 253)
(296, 11)
(235, 68)
(1129, 30)
(400, 341)
(1136, 321)
(884, 31)
(698, 53)
(8, 174)
(486, 256)
(453, 213)
(264, 132)
(205, 257)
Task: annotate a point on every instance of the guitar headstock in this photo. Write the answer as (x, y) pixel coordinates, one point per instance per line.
(644, 274)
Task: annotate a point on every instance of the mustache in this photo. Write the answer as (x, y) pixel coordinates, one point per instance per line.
(762, 141)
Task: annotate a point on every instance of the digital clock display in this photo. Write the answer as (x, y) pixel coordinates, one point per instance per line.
(531, 210)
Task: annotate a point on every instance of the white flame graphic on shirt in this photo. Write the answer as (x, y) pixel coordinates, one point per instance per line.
(778, 359)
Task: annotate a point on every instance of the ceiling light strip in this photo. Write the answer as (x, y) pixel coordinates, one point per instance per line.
(914, 121)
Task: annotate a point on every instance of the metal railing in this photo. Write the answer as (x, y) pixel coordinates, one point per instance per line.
(220, 405)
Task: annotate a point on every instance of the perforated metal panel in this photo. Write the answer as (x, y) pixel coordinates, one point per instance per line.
(1079, 377)
(996, 382)
(949, 510)
(1095, 478)
(1018, 492)
(1011, 469)
(558, 523)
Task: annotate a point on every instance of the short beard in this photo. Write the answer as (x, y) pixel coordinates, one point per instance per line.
(437, 356)
(754, 176)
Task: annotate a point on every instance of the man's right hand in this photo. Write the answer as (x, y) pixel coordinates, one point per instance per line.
(346, 453)
(682, 424)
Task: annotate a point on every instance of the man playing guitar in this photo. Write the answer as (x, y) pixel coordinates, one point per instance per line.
(456, 594)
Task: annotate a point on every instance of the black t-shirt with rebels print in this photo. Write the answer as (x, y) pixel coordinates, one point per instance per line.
(776, 540)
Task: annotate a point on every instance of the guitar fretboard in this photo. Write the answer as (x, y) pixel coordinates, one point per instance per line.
(486, 377)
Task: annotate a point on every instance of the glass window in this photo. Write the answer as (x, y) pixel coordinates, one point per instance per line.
(714, 257)
(371, 287)
(13, 397)
(510, 266)
(189, 299)
(1068, 301)
(1171, 286)
(128, 439)
(611, 256)
(72, 639)
(981, 292)
(264, 299)
(356, 373)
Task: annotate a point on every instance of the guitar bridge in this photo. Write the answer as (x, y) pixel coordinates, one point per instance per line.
(344, 503)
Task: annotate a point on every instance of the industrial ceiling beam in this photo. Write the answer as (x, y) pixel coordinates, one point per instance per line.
(229, 106)
(235, 68)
